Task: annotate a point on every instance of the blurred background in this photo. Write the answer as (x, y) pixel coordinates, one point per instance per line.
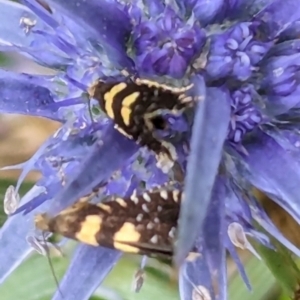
(20, 137)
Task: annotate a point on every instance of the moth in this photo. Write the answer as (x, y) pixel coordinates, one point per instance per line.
(141, 224)
(137, 107)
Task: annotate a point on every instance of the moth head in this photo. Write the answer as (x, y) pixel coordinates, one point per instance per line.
(41, 222)
(92, 88)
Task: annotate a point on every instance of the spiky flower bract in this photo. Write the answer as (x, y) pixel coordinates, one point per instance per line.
(242, 57)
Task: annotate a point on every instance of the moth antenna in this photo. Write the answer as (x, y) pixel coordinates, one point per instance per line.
(138, 280)
(139, 275)
(42, 223)
(51, 265)
(91, 94)
(90, 111)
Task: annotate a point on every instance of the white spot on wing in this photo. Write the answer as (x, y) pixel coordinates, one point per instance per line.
(176, 195)
(164, 162)
(134, 198)
(145, 208)
(200, 292)
(164, 194)
(154, 239)
(147, 197)
(139, 217)
(150, 225)
(172, 232)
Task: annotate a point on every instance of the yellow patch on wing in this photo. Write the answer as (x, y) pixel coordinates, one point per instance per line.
(109, 98)
(89, 228)
(127, 101)
(126, 113)
(126, 110)
(126, 234)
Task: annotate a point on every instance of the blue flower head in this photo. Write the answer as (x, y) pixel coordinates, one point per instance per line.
(242, 133)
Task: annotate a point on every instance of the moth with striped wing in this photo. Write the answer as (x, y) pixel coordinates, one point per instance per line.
(137, 107)
(141, 224)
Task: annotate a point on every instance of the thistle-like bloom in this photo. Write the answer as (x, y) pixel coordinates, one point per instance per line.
(242, 57)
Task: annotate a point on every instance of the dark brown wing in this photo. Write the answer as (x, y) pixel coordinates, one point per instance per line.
(136, 108)
(143, 224)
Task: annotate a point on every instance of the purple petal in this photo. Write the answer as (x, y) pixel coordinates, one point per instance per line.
(107, 155)
(16, 24)
(60, 148)
(241, 9)
(195, 279)
(291, 33)
(49, 188)
(209, 133)
(23, 94)
(275, 171)
(29, 165)
(42, 12)
(89, 267)
(155, 7)
(13, 245)
(106, 24)
(48, 58)
(213, 237)
(10, 30)
(205, 11)
(98, 166)
(237, 209)
(234, 255)
(264, 221)
(277, 16)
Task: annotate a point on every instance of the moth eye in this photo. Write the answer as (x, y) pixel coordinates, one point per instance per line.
(159, 122)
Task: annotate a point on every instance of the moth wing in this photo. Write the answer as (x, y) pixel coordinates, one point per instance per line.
(150, 249)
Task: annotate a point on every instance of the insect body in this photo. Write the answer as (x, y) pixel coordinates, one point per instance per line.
(142, 224)
(137, 109)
